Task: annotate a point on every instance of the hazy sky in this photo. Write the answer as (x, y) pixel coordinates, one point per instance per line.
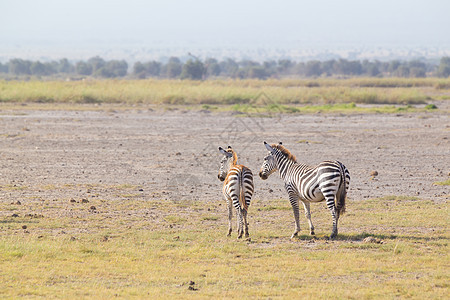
(227, 23)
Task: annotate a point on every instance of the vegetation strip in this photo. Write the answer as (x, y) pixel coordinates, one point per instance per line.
(268, 93)
(197, 69)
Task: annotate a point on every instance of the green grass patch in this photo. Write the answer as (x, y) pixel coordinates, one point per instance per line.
(445, 182)
(175, 219)
(345, 108)
(210, 218)
(431, 106)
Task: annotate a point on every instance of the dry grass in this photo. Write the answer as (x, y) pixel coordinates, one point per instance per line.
(286, 91)
(154, 248)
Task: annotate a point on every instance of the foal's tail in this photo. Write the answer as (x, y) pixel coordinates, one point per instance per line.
(242, 193)
(342, 191)
(246, 188)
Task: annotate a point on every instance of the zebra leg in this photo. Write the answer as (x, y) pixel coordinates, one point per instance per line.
(306, 205)
(334, 215)
(244, 214)
(230, 216)
(239, 222)
(293, 198)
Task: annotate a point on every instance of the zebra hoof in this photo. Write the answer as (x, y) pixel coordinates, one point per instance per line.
(312, 232)
(294, 235)
(333, 236)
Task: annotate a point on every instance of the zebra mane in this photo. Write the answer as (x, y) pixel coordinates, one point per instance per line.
(285, 152)
(229, 150)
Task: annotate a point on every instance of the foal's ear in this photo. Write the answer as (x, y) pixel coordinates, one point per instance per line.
(268, 147)
(227, 154)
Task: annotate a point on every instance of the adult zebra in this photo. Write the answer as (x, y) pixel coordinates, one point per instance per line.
(327, 181)
(237, 189)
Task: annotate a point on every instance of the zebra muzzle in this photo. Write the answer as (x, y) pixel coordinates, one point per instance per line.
(263, 176)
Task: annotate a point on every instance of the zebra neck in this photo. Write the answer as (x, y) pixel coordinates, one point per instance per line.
(231, 164)
(284, 165)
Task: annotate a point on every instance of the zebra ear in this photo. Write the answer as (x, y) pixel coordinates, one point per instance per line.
(229, 147)
(268, 147)
(227, 154)
(280, 143)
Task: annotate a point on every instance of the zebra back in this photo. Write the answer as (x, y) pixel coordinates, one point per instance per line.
(239, 186)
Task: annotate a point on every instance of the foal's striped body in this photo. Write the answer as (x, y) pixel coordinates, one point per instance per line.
(237, 189)
(238, 186)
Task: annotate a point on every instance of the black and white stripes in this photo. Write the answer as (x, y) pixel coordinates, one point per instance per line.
(327, 181)
(237, 189)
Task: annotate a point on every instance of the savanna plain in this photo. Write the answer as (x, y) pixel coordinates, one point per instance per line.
(109, 189)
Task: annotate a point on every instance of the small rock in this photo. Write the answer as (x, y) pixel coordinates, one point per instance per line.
(84, 201)
(178, 153)
(191, 282)
(176, 238)
(18, 203)
(14, 215)
(92, 207)
(372, 240)
(141, 190)
(374, 173)
(72, 201)
(72, 238)
(192, 288)
(24, 227)
(270, 191)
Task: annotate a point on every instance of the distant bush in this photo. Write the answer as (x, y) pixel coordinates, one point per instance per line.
(444, 67)
(83, 68)
(193, 70)
(198, 69)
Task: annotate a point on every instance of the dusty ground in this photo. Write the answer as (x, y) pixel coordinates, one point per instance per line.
(116, 154)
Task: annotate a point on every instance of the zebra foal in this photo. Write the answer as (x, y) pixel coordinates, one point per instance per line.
(327, 181)
(237, 189)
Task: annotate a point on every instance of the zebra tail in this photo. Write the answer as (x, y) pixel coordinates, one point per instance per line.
(342, 194)
(242, 201)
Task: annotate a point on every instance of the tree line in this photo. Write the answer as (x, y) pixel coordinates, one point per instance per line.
(197, 69)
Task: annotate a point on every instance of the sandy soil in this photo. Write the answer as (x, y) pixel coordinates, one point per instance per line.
(75, 155)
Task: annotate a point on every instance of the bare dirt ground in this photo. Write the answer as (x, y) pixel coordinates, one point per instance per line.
(92, 157)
